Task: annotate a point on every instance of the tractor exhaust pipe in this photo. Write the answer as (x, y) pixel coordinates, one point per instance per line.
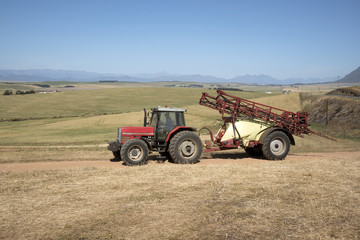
(144, 117)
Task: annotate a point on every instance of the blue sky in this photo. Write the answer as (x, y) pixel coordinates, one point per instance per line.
(308, 38)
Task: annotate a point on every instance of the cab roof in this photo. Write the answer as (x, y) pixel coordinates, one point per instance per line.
(166, 109)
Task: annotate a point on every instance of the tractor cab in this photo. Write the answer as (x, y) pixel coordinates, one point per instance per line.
(164, 120)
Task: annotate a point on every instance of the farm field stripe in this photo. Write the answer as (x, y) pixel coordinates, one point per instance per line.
(47, 147)
(39, 166)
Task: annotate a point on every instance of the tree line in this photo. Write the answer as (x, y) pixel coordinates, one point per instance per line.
(18, 92)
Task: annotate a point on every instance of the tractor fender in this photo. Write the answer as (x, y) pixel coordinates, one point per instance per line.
(273, 129)
(176, 130)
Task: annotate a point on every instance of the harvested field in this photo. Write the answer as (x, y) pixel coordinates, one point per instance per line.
(307, 196)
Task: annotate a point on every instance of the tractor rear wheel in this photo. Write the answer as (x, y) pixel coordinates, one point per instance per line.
(134, 152)
(185, 148)
(276, 146)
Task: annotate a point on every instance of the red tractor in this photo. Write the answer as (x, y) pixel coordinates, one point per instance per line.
(164, 131)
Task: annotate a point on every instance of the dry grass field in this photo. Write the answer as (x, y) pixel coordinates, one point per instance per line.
(58, 181)
(305, 197)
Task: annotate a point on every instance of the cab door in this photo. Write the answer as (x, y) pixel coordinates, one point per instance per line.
(167, 121)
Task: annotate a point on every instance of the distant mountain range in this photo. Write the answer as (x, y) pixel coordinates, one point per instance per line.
(38, 75)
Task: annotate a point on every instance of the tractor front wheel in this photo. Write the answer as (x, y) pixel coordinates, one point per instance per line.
(134, 152)
(276, 146)
(185, 148)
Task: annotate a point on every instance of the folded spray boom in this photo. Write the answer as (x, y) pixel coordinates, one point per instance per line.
(294, 123)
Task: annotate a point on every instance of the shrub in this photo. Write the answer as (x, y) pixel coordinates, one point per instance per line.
(8, 92)
(19, 92)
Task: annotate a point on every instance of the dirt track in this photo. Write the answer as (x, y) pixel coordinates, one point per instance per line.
(205, 160)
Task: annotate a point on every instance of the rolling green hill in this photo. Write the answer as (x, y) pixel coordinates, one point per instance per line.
(90, 116)
(99, 102)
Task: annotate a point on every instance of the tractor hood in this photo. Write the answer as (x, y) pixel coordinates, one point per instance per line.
(137, 130)
(127, 133)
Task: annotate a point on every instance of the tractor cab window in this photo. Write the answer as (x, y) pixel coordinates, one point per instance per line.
(180, 119)
(154, 119)
(167, 120)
